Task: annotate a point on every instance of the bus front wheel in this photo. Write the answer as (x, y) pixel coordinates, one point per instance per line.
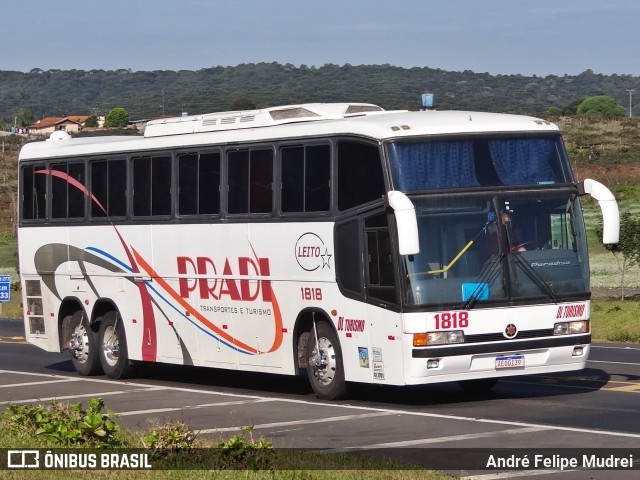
(324, 363)
(83, 345)
(113, 347)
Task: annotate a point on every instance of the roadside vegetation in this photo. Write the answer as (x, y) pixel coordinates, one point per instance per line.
(175, 450)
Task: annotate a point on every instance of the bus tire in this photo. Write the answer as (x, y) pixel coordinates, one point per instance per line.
(83, 345)
(113, 347)
(324, 366)
(481, 385)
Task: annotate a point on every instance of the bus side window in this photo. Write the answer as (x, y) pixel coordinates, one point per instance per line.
(199, 183)
(151, 186)
(109, 186)
(348, 257)
(306, 179)
(250, 180)
(66, 200)
(261, 181)
(380, 273)
(34, 193)
(360, 178)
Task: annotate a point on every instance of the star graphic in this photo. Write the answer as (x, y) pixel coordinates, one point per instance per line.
(326, 257)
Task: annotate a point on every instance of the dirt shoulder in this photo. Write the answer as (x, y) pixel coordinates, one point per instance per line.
(630, 293)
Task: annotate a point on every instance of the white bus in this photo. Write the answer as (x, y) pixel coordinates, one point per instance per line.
(339, 241)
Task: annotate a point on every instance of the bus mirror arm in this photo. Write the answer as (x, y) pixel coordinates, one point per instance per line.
(608, 206)
(406, 222)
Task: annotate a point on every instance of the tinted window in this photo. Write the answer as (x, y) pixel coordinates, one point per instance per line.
(109, 187)
(34, 193)
(67, 200)
(199, 183)
(348, 254)
(250, 181)
(360, 178)
(473, 162)
(380, 274)
(306, 179)
(151, 186)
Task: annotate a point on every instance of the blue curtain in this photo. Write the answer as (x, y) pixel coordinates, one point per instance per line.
(432, 165)
(523, 161)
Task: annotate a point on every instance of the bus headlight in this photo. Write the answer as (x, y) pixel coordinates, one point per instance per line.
(438, 338)
(579, 327)
(455, 336)
(571, 328)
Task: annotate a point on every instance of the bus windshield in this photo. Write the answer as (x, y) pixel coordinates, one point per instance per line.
(478, 162)
(486, 248)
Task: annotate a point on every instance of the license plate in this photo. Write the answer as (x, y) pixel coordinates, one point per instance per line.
(514, 361)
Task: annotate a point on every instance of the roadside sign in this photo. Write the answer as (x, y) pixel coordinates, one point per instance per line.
(5, 288)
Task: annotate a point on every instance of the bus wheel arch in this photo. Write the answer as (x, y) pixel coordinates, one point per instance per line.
(301, 330)
(79, 335)
(318, 344)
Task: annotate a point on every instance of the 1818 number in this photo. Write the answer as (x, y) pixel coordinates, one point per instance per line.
(311, 293)
(452, 320)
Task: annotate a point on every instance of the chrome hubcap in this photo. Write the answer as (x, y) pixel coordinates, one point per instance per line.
(111, 346)
(323, 361)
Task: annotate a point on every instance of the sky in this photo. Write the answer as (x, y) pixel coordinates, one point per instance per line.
(527, 37)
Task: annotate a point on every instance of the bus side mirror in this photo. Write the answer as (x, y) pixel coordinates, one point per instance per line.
(608, 206)
(406, 222)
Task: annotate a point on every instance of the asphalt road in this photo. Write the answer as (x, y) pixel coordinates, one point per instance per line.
(598, 407)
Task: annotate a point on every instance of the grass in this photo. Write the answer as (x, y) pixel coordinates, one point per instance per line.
(238, 457)
(615, 321)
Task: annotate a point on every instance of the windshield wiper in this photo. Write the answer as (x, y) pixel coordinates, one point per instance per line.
(535, 277)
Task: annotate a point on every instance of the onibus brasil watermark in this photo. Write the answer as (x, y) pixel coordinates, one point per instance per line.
(58, 460)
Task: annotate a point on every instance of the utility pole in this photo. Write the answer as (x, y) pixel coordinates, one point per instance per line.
(630, 102)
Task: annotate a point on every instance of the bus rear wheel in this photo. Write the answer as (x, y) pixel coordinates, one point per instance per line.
(83, 345)
(324, 363)
(113, 347)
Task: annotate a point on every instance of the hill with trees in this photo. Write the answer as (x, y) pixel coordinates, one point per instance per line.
(145, 94)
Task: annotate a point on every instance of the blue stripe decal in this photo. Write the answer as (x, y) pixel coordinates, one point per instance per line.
(198, 326)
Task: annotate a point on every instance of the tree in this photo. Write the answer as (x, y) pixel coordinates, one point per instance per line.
(24, 118)
(554, 112)
(627, 250)
(572, 108)
(243, 103)
(91, 121)
(117, 117)
(601, 105)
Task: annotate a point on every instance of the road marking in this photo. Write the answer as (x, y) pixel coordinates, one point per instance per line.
(615, 348)
(192, 407)
(299, 422)
(474, 419)
(452, 438)
(614, 363)
(382, 411)
(44, 382)
(634, 387)
(12, 340)
(79, 395)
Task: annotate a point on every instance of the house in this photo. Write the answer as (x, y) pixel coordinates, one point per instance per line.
(72, 123)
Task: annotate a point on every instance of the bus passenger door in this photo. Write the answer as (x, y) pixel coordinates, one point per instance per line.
(368, 321)
(382, 301)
